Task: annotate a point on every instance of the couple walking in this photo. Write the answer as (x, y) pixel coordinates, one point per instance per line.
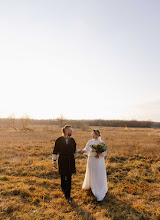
(95, 176)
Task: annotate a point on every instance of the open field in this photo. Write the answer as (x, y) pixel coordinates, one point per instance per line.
(30, 186)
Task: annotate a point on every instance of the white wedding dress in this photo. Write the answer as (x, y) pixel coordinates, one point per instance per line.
(95, 176)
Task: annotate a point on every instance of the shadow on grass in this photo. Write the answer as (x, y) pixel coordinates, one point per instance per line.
(81, 212)
(113, 207)
(117, 209)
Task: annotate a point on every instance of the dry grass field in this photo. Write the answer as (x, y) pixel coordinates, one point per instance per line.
(30, 186)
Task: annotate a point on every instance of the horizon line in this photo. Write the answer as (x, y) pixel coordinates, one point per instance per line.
(93, 119)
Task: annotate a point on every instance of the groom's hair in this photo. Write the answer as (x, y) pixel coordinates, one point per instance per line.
(65, 127)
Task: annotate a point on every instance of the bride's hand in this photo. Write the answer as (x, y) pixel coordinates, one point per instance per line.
(98, 154)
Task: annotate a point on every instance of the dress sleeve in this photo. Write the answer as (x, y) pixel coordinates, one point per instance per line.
(105, 152)
(86, 149)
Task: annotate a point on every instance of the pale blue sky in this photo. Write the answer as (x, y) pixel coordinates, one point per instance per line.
(85, 59)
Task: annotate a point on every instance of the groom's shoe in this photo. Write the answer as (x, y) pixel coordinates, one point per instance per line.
(69, 200)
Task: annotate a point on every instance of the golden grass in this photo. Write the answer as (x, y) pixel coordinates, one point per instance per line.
(30, 186)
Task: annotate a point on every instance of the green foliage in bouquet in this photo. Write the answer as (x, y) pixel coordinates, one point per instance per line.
(98, 147)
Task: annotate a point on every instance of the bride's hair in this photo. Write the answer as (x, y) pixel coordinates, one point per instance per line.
(97, 132)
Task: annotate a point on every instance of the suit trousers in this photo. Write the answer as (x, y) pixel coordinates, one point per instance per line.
(66, 185)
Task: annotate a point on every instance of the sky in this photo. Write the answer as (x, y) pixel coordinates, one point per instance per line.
(85, 59)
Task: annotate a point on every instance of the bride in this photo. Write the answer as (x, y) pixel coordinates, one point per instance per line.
(95, 176)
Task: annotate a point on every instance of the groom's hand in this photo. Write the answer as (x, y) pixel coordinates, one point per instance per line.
(55, 165)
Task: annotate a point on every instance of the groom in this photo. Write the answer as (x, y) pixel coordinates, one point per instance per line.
(65, 146)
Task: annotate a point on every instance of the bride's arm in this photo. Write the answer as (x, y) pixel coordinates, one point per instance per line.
(104, 153)
(86, 149)
(80, 151)
(83, 151)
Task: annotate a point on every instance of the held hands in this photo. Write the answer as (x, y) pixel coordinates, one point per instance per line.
(81, 152)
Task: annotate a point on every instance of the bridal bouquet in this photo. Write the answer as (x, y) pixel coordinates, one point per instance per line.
(98, 148)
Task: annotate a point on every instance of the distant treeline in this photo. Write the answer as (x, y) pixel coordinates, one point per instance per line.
(81, 123)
